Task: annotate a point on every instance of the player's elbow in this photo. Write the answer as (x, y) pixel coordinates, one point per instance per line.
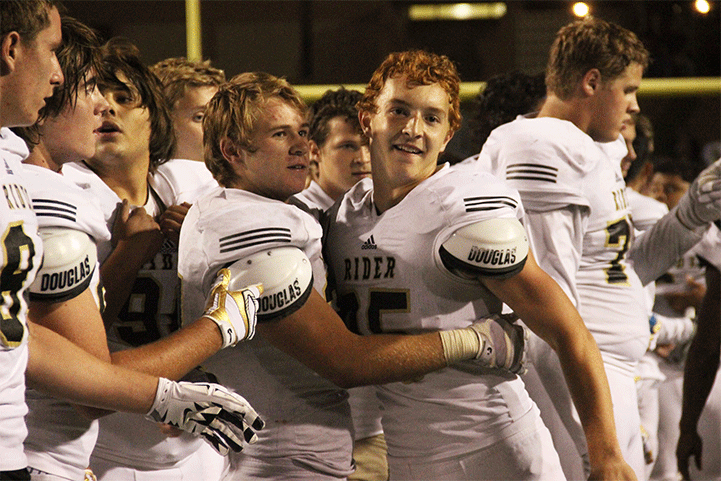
(345, 374)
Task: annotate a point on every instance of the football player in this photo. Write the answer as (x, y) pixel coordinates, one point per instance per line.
(565, 164)
(458, 249)
(188, 86)
(30, 37)
(141, 204)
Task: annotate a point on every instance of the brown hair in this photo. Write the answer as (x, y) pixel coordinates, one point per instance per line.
(177, 74)
(334, 103)
(587, 44)
(232, 114)
(419, 68)
(120, 56)
(26, 17)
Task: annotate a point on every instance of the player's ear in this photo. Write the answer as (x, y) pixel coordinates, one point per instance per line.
(313, 151)
(231, 151)
(591, 81)
(365, 121)
(8, 52)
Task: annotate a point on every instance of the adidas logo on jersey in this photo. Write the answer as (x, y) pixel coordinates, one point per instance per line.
(369, 244)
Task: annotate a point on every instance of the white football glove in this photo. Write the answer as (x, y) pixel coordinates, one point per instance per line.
(223, 418)
(235, 312)
(701, 204)
(493, 342)
(503, 342)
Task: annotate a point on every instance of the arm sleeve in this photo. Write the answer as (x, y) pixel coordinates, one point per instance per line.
(657, 249)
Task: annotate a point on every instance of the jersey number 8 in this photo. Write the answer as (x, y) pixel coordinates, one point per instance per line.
(19, 252)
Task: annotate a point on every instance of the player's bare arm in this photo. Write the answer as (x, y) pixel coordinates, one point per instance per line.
(317, 337)
(547, 311)
(136, 239)
(699, 374)
(223, 418)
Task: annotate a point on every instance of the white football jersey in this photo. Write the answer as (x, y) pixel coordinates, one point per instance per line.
(313, 197)
(390, 279)
(21, 256)
(645, 210)
(710, 247)
(152, 311)
(60, 439)
(307, 417)
(556, 167)
(364, 405)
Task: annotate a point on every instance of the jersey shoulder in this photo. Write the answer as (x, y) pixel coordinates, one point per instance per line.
(645, 210)
(182, 180)
(234, 223)
(469, 194)
(88, 181)
(58, 202)
(545, 159)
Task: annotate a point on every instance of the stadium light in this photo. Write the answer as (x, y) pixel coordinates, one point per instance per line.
(702, 6)
(457, 11)
(581, 9)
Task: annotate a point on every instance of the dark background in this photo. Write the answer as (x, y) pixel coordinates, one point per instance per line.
(342, 42)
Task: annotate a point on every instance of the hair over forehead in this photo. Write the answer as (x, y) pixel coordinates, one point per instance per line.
(178, 74)
(587, 44)
(419, 68)
(333, 103)
(233, 112)
(121, 68)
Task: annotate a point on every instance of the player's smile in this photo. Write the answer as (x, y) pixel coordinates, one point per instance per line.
(408, 131)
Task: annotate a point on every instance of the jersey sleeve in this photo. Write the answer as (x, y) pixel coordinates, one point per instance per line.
(558, 244)
(466, 197)
(71, 224)
(58, 202)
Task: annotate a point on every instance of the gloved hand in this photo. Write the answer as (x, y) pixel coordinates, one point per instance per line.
(701, 204)
(235, 312)
(223, 418)
(493, 342)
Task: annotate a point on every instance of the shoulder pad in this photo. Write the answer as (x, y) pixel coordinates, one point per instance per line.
(69, 260)
(286, 275)
(495, 248)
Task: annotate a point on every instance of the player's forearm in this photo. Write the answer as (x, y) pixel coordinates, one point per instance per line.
(702, 362)
(654, 251)
(175, 355)
(60, 368)
(586, 379)
(118, 273)
(547, 311)
(699, 375)
(318, 338)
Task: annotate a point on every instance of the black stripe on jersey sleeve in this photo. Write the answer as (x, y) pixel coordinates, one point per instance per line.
(271, 235)
(534, 172)
(476, 204)
(55, 208)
